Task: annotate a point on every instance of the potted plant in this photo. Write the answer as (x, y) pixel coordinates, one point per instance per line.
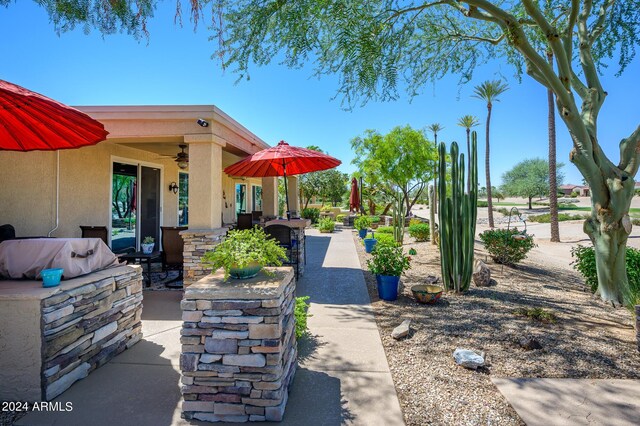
(362, 224)
(147, 245)
(388, 263)
(370, 243)
(244, 253)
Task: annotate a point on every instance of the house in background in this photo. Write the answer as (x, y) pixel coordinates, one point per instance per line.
(568, 189)
(136, 180)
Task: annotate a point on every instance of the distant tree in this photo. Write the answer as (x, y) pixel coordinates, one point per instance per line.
(528, 179)
(404, 158)
(489, 91)
(310, 184)
(468, 121)
(333, 185)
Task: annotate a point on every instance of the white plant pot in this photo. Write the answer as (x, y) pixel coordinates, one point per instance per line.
(147, 248)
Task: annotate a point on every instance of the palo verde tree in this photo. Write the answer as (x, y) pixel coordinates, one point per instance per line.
(528, 179)
(404, 158)
(372, 46)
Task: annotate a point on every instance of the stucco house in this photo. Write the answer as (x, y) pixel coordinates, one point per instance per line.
(133, 183)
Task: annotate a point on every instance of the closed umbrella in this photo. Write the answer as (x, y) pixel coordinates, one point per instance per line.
(354, 198)
(282, 160)
(30, 121)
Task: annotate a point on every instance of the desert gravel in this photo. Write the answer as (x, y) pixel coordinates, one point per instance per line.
(589, 340)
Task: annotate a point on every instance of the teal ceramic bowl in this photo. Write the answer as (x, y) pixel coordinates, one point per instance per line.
(248, 271)
(51, 277)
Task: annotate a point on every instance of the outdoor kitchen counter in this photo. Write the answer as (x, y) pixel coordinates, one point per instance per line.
(52, 337)
(298, 226)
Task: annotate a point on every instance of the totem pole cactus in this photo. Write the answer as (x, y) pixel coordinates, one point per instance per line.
(457, 214)
(432, 214)
(399, 213)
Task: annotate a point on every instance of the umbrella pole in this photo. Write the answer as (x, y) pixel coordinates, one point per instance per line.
(286, 190)
(57, 191)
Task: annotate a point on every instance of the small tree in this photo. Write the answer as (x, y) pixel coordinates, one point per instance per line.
(528, 179)
(404, 158)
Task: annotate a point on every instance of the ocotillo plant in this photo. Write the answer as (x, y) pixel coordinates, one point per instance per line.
(399, 213)
(457, 214)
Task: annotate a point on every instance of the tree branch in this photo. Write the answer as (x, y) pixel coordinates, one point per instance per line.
(630, 153)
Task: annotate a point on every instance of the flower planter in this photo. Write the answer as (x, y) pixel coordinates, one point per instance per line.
(147, 248)
(369, 244)
(428, 294)
(388, 286)
(249, 271)
(362, 233)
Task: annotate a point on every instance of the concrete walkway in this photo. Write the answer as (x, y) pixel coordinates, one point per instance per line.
(343, 377)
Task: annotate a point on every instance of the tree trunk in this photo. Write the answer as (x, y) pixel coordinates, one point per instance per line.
(608, 228)
(553, 184)
(386, 209)
(468, 161)
(488, 170)
(530, 207)
(432, 216)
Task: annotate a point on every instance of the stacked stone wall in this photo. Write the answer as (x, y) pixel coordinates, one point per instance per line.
(85, 327)
(196, 244)
(238, 350)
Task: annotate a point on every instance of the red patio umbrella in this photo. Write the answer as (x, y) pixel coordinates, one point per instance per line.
(282, 160)
(30, 121)
(354, 198)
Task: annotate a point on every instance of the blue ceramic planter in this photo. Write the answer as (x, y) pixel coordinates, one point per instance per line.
(51, 277)
(369, 244)
(249, 271)
(362, 233)
(387, 286)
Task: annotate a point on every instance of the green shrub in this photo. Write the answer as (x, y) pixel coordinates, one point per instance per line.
(362, 222)
(301, 313)
(326, 209)
(504, 248)
(326, 224)
(537, 314)
(385, 239)
(482, 203)
(415, 221)
(585, 263)
(419, 231)
(502, 210)
(637, 192)
(311, 213)
(635, 221)
(374, 218)
(575, 194)
(385, 230)
(562, 217)
(340, 217)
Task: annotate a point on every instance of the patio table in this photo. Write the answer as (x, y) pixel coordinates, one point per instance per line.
(140, 257)
(26, 258)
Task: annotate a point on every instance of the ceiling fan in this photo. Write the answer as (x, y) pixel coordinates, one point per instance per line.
(181, 158)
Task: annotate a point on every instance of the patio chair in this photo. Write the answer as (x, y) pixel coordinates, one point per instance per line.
(96, 232)
(255, 215)
(245, 221)
(7, 232)
(172, 252)
(284, 235)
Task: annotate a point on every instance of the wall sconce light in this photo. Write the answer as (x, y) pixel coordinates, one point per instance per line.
(173, 187)
(202, 122)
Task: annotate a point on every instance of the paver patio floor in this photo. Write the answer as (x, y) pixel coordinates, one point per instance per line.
(343, 376)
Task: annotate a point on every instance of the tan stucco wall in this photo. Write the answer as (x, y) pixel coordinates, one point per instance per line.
(20, 350)
(28, 188)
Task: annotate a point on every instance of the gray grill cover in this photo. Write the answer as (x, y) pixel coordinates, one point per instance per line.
(77, 256)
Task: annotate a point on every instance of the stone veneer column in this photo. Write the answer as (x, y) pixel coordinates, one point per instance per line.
(238, 347)
(196, 243)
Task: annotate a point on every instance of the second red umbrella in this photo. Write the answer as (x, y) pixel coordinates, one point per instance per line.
(282, 160)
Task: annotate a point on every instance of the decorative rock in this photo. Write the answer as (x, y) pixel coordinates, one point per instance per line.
(468, 358)
(402, 330)
(481, 274)
(529, 343)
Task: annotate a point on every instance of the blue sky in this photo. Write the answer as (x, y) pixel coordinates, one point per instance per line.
(175, 67)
